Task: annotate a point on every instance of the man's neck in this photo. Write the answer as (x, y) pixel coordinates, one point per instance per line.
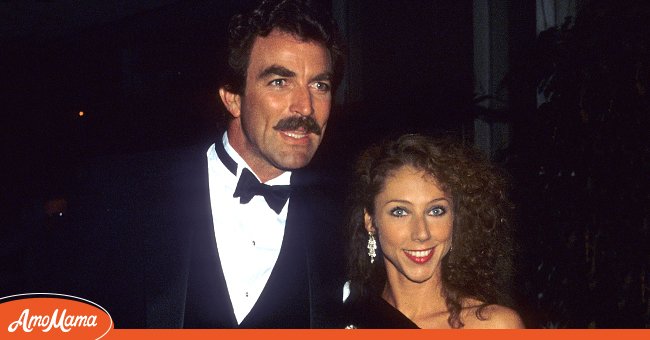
(262, 169)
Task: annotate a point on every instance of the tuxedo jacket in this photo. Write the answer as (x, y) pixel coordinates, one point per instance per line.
(144, 248)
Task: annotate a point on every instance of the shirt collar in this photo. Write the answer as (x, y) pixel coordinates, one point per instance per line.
(283, 179)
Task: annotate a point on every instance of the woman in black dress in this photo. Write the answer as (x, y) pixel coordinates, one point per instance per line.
(430, 243)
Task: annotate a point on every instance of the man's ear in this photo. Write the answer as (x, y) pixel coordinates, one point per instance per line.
(368, 222)
(231, 101)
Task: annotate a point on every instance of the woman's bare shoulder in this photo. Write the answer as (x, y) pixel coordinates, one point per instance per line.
(492, 317)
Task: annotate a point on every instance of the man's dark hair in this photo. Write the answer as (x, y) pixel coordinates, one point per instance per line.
(306, 20)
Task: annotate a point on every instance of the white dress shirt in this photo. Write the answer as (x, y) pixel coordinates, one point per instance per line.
(249, 236)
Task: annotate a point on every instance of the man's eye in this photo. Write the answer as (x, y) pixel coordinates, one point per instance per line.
(278, 82)
(321, 86)
(438, 211)
(398, 212)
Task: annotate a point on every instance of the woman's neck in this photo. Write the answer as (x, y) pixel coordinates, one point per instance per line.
(416, 301)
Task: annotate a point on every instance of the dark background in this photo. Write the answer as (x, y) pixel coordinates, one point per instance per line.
(145, 77)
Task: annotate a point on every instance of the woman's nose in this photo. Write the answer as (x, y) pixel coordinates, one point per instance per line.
(421, 230)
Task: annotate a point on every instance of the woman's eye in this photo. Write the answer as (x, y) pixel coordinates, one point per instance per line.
(438, 211)
(398, 212)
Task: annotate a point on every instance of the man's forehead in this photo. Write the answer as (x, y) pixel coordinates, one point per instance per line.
(280, 48)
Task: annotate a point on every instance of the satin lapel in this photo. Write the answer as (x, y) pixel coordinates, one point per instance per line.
(177, 247)
(208, 303)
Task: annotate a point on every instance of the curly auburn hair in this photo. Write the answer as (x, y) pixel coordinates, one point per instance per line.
(306, 20)
(480, 265)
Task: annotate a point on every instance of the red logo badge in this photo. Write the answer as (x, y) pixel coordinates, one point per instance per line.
(52, 316)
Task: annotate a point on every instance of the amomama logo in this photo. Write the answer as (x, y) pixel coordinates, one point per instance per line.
(46, 315)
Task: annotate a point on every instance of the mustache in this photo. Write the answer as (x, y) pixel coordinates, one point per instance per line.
(308, 123)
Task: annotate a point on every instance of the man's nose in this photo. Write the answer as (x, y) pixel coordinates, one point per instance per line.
(302, 102)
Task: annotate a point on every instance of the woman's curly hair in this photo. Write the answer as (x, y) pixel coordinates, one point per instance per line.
(480, 264)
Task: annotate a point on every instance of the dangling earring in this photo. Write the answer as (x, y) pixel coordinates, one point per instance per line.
(372, 246)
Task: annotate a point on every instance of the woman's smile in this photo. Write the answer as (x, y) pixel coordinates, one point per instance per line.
(419, 256)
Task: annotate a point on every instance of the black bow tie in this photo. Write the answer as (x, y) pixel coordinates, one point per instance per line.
(248, 186)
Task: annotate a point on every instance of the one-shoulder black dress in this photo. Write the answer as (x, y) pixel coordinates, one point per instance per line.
(374, 312)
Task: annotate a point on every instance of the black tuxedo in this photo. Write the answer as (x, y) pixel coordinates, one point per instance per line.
(147, 251)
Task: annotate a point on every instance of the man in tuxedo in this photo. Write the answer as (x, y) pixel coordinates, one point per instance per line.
(232, 234)
(267, 225)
